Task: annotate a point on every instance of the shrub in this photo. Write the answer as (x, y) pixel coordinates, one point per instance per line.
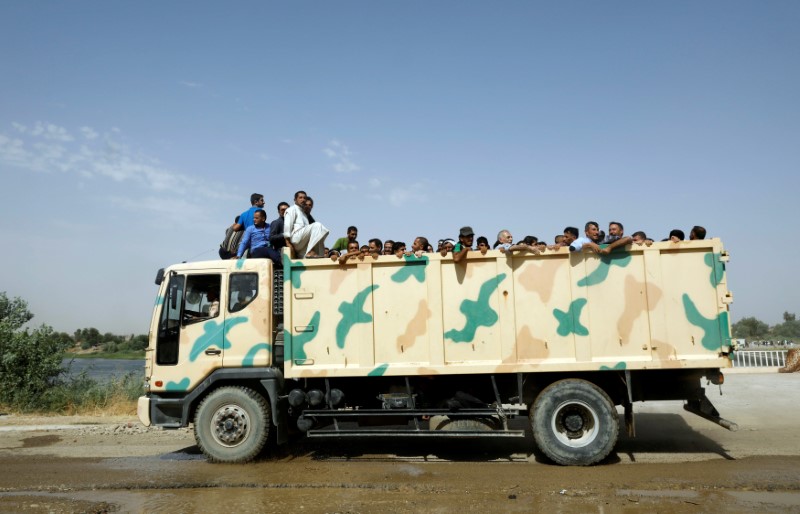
(30, 360)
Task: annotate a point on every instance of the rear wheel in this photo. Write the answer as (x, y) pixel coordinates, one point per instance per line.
(232, 424)
(574, 423)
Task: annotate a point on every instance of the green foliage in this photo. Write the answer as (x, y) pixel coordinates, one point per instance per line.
(30, 360)
(82, 394)
(750, 328)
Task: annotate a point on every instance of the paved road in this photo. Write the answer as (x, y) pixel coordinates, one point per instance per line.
(678, 462)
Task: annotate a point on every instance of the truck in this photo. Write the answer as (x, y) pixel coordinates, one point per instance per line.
(255, 355)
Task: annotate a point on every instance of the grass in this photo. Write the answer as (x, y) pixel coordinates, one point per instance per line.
(84, 396)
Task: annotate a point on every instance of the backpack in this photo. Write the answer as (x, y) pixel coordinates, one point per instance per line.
(232, 240)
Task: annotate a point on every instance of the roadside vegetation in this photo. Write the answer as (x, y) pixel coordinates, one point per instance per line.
(32, 378)
(758, 333)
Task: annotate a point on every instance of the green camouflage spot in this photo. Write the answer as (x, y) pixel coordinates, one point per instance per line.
(178, 386)
(250, 358)
(292, 270)
(379, 371)
(716, 330)
(159, 300)
(297, 343)
(620, 366)
(478, 313)
(717, 268)
(240, 262)
(212, 331)
(621, 259)
(353, 313)
(413, 267)
(569, 322)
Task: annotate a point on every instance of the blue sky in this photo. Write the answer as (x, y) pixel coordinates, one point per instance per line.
(131, 134)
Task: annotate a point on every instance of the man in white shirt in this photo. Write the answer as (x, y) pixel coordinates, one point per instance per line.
(306, 239)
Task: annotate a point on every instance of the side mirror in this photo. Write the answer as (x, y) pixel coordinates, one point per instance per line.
(160, 276)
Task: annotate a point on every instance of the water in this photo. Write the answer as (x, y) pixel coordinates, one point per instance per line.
(105, 369)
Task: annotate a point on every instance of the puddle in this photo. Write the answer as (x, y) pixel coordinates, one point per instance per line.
(40, 441)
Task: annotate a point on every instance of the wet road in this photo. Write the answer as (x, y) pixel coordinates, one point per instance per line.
(677, 463)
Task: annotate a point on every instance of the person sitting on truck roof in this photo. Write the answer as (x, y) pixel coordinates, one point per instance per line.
(246, 218)
(305, 238)
(697, 233)
(388, 247)
(399, 249)
(464, 245)
(591, 230)
(256, 240)
(342, 243)
(276, 240)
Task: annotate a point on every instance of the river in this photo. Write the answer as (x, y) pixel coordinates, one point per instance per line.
(104, 369)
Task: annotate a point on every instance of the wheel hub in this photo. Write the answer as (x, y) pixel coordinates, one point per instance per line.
(230, 425)
(575, 424)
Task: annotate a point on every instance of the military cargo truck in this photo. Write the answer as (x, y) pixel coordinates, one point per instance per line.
(425, 347)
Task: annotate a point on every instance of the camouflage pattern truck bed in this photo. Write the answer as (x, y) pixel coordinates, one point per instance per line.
(662, 306)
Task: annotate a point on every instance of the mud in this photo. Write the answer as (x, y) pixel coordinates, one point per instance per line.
(677, 463)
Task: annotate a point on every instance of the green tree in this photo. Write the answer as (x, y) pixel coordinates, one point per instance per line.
(750, 328)
(789, 329)
(30, 359)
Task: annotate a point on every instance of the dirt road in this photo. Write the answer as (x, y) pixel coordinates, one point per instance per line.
(677, 463)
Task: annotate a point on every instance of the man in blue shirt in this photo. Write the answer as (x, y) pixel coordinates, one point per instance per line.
(246, 218)
(256, 239)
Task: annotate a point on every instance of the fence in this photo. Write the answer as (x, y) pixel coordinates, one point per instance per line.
(759, 358)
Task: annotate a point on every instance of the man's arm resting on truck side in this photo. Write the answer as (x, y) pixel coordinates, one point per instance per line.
(461, 255)
(622, 241)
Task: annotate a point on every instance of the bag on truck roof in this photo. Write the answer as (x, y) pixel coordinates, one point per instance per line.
(232, 240)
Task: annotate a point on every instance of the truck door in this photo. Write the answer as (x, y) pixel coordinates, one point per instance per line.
(191, 330)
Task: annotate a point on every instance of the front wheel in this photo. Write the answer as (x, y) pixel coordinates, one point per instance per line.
(232, 424)
(574, 423)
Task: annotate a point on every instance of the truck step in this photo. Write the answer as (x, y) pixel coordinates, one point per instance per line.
(413, 433)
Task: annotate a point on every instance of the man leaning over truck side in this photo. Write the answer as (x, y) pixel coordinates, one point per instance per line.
(464, 245)
(305, 239)
(591, 229)
(616, 237)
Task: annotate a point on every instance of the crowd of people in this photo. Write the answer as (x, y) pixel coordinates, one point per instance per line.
(296, 228)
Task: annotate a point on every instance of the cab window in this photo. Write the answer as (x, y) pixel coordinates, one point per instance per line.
(202, 298)
(243, 288)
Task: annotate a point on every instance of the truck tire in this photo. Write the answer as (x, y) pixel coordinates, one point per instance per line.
(232, 424)
(574, 423)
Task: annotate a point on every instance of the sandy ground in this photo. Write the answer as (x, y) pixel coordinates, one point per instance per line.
(676, 463)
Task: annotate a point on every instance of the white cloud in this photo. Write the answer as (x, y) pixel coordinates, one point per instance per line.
(287, 141)
(88, 133)
(340, 153)
(19, 127)
(343, 187)
(189, 83)
(412, 193)
(265, 156)
(374, 183)
(48, 148)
